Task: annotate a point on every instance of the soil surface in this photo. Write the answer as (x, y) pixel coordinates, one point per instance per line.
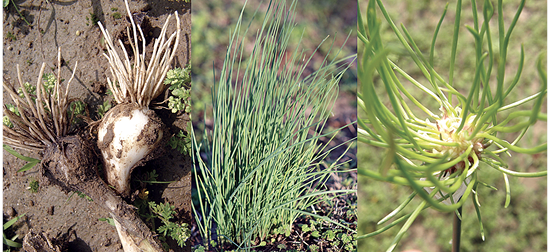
(71, 26)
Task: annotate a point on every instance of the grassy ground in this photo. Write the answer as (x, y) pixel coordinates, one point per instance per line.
(521, 226)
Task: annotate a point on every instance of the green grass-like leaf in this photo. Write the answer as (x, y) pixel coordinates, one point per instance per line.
(28, 166)
(264, 152)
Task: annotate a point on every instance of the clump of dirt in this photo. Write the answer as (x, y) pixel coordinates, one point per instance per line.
(72, 27)
(38, 241)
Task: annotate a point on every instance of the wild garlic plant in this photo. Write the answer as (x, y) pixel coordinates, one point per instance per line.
(42, 123)
(440, 154)
(130, 133)
(264, 167)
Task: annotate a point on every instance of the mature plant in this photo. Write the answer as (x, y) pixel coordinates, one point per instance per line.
(440, 155)
(263, 167)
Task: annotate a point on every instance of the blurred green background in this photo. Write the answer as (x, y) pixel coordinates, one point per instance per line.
(317, 19)
(520, 227)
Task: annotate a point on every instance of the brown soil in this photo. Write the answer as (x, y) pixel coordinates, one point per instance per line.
(69, 25)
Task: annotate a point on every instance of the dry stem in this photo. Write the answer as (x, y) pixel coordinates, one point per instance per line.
(137, 82)
(41, 121)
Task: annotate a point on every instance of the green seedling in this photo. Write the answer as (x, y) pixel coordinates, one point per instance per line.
(31, 161)
(6, 119)
(49, 81)
(178, 80)
(117, 15)
(181, 142)
(76, 108)
(103, 108)
(179, 232)
(110, 221)
(33, 186)
(11, 242)
(81, 195)
(10, 36)
(93, 18)
(7, 2)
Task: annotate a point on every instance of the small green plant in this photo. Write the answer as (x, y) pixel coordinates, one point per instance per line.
(11, 242)
(178, 79)
(181, 142)
(76, 108)
(93, 19)
(109, 221)
(6, 119)
(179, 232)
(10, 36)
(117, 15)
(81, 195)
(31, 161)
(30, 89)
(103, 108)
(49, 81)
(7, 2)
(33, 186)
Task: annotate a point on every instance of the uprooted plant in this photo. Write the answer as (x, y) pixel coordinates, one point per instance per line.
(130, 134)
(42, 124)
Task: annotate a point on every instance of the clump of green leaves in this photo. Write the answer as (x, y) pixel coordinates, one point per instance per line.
(6, 119)
(263, 161)
(179, 232)
(178, 79)
(93, 18)
(49, 81)
(76, 108)
(103, 108)
(11, 242)
(181, 142)
(117, 15)
(33, 186)
(30, 89)
(10, 36)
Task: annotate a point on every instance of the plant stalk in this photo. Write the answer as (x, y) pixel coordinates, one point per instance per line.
(457, 223)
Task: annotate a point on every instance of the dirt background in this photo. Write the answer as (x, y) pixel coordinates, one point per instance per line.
(69, 25)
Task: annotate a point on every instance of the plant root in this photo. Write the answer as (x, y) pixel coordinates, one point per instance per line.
(70, 163)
